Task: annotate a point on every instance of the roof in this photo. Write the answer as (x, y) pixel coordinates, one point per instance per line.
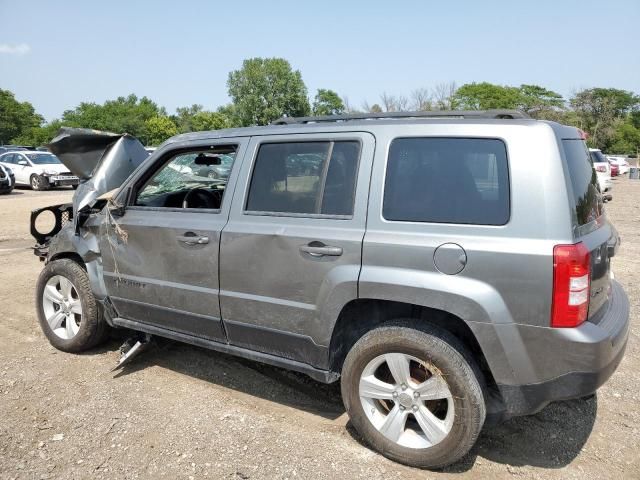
(342, 126)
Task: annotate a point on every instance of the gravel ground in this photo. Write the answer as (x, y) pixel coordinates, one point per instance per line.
(183, 412)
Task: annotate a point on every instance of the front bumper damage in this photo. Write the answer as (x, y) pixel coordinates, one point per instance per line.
(102, 161)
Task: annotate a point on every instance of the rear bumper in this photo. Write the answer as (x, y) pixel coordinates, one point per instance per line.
(589, 355)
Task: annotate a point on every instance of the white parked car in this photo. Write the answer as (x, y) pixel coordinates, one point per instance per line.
(39, 170)
(603, 171)
(621, 162)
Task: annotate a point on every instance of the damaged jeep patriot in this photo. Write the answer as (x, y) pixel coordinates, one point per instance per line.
(447, 267)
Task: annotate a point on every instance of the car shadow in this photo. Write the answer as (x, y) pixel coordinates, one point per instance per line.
(552, 438)
(13, 192)
(275, 384)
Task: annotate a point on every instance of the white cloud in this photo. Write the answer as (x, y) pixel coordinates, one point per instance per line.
(17, 49)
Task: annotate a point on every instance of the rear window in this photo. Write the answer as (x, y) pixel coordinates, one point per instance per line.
(447, 180)
(596, 156)
(584, 182)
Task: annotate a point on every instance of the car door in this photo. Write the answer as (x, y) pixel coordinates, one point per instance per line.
(22, 170)
(291, 253)
(161, 256)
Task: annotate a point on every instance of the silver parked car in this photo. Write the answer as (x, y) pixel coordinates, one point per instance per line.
(435, 263)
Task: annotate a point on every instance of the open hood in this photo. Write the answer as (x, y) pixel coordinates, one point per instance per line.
(102, 160)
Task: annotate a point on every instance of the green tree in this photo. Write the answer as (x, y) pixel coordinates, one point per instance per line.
(538, 101)
(626, 138)
(598, 109)
(122, 115)
(16, 118)
(265, 89)
(210, 121)
(40, 135)
(484, 96)
(327, 102)
(158, 129)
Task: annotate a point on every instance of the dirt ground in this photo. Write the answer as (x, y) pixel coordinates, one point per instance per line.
(185, 412)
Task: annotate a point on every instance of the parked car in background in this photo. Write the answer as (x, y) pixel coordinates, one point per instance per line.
(621, 162)
(603, 171)
(11, 148)
(7, 179)
(39, 170)
(399, 256)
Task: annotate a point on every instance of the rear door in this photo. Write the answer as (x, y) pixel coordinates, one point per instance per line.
(590, 223)
(290, 255)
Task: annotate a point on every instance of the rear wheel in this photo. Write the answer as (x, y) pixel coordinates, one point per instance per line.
(68, 312)
(413, 396)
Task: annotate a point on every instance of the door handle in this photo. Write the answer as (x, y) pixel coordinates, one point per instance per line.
(318, 249)
(191, 238)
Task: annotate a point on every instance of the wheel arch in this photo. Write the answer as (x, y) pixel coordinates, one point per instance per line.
(363, 315)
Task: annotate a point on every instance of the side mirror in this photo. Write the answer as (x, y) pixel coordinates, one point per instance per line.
(23, 162)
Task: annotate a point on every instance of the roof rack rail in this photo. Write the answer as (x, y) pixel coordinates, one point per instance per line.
(508, 114)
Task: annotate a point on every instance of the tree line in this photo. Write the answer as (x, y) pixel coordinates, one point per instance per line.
(265, 89)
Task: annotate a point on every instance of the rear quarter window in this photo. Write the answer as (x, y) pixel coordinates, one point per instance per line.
(447, 180)
(584, 181)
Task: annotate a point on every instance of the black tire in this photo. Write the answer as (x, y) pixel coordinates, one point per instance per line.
(449, 356)
(93, 328)
(75, 187)
(35, 182)
(6, 192)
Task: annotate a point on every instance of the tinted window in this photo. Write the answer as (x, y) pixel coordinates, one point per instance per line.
(596, 156)
(304, 178)
(8, 158)
(584, 181)
(447, 180)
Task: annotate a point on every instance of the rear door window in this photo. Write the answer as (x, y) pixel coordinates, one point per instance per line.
(584, 181)
(304, 178)
(447, 180)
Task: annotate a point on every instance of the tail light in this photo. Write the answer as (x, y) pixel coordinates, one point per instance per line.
(601, 168)
(571, 282)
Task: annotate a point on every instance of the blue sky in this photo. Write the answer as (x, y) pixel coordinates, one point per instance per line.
(57, 54)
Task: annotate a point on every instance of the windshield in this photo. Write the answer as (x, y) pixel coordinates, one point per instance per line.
(43, 158)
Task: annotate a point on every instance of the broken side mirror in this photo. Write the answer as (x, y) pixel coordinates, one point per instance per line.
(118, 207)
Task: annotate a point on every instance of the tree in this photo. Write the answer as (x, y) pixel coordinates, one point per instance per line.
(597, 110)
(16, 118)
(536, 100)
(626, 138)
(195, 119)
(184, 117)
(444, 96)
(265, 89)
(327, 102)
(421, 100)
(122, 115)
(158, 129)
(485, 96)
(210, 121)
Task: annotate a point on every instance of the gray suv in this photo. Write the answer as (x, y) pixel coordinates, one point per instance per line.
(447, 267)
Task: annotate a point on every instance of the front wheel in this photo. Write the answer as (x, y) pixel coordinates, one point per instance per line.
(68, 313)
(413, 396)
(37, 183)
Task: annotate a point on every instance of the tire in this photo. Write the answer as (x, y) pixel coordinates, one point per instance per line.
(92, 327)
(441, 356)
(36, 183)
(75, 187)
